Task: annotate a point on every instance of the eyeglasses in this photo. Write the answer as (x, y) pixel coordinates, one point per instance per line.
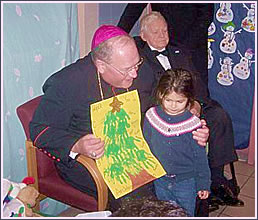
(126, 72)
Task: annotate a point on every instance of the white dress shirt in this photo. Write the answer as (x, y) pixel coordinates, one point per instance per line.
(162, 59)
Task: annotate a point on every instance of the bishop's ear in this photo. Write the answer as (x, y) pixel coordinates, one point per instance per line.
(100, 65)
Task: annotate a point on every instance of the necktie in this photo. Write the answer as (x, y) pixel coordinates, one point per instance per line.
(164, 52)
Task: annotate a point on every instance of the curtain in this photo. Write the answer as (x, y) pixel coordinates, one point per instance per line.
(231, 53)
(110, 13)
(38, 39)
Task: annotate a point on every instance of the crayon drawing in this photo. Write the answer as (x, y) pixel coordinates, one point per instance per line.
(128, 162)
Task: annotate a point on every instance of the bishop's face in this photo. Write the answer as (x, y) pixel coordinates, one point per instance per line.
(123, 67)
(156, 34)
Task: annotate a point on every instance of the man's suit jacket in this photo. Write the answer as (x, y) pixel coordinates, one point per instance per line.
(179, 57)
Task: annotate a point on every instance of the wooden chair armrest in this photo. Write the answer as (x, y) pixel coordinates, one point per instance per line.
(102, 188)
(31, 161)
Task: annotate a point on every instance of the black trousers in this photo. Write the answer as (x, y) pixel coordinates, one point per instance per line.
(201, 208)
(221, 139)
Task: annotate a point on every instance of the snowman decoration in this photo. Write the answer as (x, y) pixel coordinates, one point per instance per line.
(210, 57)
(211, 29)
(224, 13)
(248, 23)
(228, 44)
(242, 69)
(225, 77)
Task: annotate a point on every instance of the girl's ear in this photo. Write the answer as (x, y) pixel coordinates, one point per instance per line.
(159, 97)
(100, 65)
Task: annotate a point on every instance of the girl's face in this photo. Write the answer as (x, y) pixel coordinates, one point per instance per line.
(174, 103)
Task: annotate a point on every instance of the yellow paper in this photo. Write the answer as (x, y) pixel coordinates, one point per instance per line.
(127, 162)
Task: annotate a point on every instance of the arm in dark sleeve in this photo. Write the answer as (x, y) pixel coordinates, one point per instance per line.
(130, 15)
(147, 132)
(145, 84)
(200, 88)
(202, 17)
(55, 142)
(59, 121)
(203, 175)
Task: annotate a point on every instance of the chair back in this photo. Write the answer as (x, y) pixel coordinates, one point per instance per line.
(25, 113)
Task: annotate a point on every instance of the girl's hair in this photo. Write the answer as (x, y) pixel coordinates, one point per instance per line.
(176, 80)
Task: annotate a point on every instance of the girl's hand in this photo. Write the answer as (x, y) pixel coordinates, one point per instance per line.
(203, 194)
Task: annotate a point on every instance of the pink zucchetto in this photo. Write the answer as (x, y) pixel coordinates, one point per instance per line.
(104, 33)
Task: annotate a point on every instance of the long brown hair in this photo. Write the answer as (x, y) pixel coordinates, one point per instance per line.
(176, 80)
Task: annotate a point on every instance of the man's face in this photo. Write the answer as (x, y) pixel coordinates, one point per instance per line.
(156, 34)
(122, 69)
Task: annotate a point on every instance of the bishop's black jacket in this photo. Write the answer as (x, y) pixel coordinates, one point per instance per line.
(63, 115)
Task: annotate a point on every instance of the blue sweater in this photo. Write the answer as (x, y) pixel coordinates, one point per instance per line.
(170, 139)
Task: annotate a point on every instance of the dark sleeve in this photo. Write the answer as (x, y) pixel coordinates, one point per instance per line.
(145, 84)
(130, 15)
(201, 90)
(202, 15)
(60, 120)
(203, 175)
(203, 20)
(147, 132)
(210, 14)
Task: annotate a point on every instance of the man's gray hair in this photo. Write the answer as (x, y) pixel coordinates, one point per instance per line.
(105, 49)
(148, 19)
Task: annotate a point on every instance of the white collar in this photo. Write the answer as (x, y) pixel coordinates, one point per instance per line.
(152, 48)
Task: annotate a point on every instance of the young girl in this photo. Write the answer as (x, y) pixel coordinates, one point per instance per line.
(168, 131)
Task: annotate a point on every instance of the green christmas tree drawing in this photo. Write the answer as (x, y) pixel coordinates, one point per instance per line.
(121, 149)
